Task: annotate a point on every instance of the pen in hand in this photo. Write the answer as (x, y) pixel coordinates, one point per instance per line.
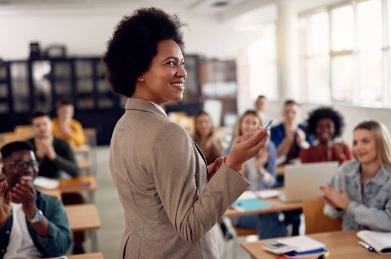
(366, 246)
(268, 124)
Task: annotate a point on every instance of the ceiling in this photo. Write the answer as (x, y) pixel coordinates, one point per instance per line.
(249, 11)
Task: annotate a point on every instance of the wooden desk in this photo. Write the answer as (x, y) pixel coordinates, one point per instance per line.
(341, 244)
(86, 256)
(85, 165)
(84, 183)
(84, 217)
(277, 205)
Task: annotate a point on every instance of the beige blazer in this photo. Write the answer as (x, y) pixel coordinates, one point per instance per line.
(162, 184)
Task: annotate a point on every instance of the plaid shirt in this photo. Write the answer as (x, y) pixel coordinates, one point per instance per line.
(370, 207)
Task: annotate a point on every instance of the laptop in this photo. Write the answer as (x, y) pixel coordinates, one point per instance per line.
(302, 181)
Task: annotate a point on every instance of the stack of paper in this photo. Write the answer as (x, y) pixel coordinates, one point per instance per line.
(46, 183)
(304, 246)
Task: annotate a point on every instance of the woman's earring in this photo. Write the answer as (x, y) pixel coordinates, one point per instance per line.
(142, 79)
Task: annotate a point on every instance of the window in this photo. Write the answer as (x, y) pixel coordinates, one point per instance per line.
(262, 64)
(315, 60)
(344, 56)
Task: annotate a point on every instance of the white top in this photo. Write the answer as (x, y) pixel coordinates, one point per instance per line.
(20, 245)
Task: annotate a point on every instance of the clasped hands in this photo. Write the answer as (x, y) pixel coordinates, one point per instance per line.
(334, 198)
(45, 148)
(244, 148)
(22, 192)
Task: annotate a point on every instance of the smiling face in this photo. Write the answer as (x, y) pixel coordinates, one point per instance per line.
(325, 130)
(20, 163)
(364, 146)
(165, 77)
(248, 124)
(203, 125)
(291, 114)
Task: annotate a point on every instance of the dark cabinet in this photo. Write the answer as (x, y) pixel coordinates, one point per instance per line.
(26, 85)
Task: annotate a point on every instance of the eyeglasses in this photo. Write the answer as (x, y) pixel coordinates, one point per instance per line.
(20, 164)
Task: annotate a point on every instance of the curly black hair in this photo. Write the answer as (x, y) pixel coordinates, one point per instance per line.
(325, 112)
(134, 44)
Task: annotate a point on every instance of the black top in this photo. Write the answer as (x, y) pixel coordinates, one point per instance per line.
(65, 160)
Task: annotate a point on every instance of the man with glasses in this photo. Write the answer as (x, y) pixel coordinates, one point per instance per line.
(32, 224)
(56, 160)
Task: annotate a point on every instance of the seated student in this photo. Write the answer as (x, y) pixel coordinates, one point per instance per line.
(204, 137)
(260, 105)
(360, 191)
(55, 156)
(67, 128)
(56, 160)
(260, 171)
(289, 138)
(32, 224)
(325, 124)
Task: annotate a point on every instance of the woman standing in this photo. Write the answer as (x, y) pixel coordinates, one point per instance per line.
(160, 174)
(205, 137)
(325, 124)
(360, 190)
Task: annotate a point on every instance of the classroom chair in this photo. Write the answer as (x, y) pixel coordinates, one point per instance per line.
(316, 221)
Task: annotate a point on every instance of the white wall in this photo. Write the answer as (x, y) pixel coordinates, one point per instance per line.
(85, 31)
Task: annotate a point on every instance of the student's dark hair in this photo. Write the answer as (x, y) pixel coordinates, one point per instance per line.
(134, 43)
(62, 102)
(7, 149)
(261, 97)
(38, 113)
(325, 112)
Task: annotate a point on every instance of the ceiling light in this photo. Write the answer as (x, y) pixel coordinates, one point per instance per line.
(220, 3)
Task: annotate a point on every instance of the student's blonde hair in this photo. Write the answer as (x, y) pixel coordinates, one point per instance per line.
(382, 139)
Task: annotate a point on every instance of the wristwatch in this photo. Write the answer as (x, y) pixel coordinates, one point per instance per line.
(37, 217)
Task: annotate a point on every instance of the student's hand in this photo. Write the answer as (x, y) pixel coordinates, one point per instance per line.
(64, 127)
(25, 192)
(246, 147)
(336, 199)
(5, 203)
(212, 168)
(46, 147)
(300, 138)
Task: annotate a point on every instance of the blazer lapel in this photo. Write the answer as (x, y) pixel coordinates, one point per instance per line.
(200, 152)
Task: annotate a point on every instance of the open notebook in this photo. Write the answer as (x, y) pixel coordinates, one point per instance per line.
(380, 241)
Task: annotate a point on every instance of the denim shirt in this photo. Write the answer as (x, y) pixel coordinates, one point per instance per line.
(370, 207)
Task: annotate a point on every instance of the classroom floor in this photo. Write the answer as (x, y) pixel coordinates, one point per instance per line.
(112, 218)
